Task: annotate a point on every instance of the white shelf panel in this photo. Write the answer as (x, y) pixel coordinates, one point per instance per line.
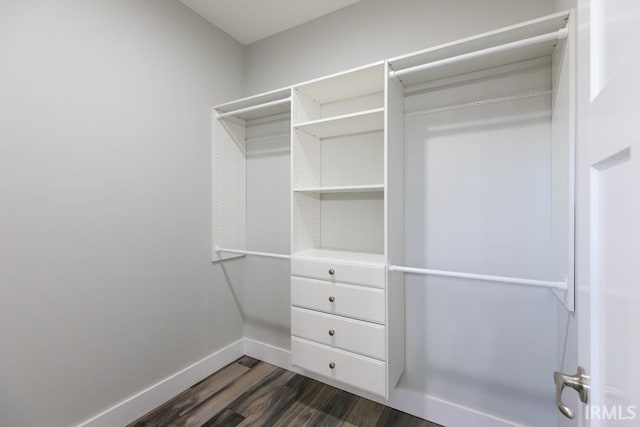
(349, 84)
(252, 101)
(493, 60)
(521, 31)
(267, 109)
(341, 189)
(348, 124)
(344, 256)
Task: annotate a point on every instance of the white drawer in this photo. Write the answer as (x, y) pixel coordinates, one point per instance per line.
(347, 334)
(338, 298)
(372, 275)
(358, 371)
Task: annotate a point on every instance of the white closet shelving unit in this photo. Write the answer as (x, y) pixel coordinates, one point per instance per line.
(478, 134)
(231, 145)
(338, 166)
(346, 324)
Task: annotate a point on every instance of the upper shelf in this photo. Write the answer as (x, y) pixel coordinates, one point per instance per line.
(254, 107)
(348, 124)
(349, 84)
(462, 56)
(342, 189)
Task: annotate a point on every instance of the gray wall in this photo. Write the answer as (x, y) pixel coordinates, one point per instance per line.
(106, 285)
(448, 328)
(565, 4)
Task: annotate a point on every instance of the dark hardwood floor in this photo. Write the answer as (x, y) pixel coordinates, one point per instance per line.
(249, 392)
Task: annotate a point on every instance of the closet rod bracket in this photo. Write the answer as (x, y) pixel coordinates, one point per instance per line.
(254, 253)
(231, 258)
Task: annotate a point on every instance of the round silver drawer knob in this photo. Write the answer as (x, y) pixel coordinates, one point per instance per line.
(332, 365)
(332, 271)
(332, 332)
(332, 299)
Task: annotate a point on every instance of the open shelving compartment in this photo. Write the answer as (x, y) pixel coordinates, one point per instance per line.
(251, 155)
(489, 124)
(338, 167)
(341, 206)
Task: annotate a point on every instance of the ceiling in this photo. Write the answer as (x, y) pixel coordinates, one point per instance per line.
(251, 20)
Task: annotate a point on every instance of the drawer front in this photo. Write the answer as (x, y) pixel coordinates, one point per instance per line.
(358, 371)
(345, 273)
(347, 334)
(348, 300)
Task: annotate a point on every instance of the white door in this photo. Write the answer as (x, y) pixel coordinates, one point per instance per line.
(608, 189)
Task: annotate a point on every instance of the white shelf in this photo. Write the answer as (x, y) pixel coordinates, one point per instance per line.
(474, 64)
(348, 124)
(342, 189)
(482, 41)
(256, 106)
(349, 84)
(266, 109)
(363, 258)
(250, 101)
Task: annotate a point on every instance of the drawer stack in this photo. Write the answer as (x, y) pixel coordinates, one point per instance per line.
(338, 321)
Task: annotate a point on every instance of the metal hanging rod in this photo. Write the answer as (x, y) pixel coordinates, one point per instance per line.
(255, 253)
(525, 95)
(555, 35)
(484, 277)
(254, 108)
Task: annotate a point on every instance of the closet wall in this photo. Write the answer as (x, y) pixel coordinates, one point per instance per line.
(106, 282)
(266, 302)
(488, 347)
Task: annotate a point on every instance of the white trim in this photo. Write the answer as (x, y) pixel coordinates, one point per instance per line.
(415, 403)
(268, 353)
(140, 403)
(421, 405)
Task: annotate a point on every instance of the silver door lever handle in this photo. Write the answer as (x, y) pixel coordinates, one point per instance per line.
(579, 382)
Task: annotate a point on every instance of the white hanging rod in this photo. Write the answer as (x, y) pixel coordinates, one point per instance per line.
(525, 95)
(485, 277)
(243, 252)
(556, 35)
(254, 108)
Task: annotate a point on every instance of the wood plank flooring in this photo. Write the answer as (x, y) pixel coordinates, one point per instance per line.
(249, 392)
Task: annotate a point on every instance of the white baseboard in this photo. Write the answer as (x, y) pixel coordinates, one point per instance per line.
(412, 402)
(424, 406)
(139, 404)
(268, 353)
